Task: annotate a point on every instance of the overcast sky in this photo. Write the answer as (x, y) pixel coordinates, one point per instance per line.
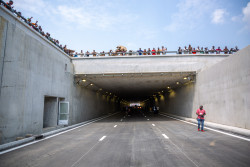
(104, 24)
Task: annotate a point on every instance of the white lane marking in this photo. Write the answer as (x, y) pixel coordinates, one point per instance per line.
(184, 153)
(148, 119)
(24, 145)
(103, 137)
(84, 154)
(225, 133)
(115, 126)
(153, 124)
(165, 136)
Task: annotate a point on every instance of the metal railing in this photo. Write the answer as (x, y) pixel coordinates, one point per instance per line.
(157, 53)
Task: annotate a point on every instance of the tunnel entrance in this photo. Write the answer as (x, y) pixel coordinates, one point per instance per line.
(134, 87)
(50, 112)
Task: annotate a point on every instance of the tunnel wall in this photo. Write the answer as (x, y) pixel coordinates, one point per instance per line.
(223, 90)
(31, 68)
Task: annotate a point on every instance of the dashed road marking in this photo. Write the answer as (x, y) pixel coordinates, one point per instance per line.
(153, 124)
(103, 137)
(115, 126)
(24, 145)
(225, 133)
(165, 136)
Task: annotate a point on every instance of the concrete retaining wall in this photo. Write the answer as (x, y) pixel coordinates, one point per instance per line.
(223, 89)
(31, 67)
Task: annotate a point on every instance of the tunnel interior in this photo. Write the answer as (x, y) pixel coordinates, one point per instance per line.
(135, 88)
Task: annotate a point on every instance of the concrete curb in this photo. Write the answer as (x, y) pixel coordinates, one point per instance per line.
(44, 135)
(226, 128)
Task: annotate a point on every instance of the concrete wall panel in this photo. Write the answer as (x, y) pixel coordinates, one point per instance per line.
(223, 89)
(33, 68)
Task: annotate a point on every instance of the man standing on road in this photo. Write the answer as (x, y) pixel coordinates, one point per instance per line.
(200, 118)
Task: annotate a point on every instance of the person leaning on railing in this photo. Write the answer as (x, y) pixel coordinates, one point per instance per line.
(149, 51)
(198, 49)
(225, 50)
(218, 50)
(159, 51)
(164, 50)
(139, 51)
(94, 53)
(194, 51)
(179, 50)
(185, 50)
(212, 50)
(111, 52)
(206, 50)
(190, 49)
(29, 21)
(153, 51)
(201, 51)
(87, 54)
(8, 5)
(102, 53)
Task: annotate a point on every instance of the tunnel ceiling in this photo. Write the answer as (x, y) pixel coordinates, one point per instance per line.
(137, 86)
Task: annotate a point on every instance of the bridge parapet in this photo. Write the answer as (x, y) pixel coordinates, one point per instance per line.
(145, 63)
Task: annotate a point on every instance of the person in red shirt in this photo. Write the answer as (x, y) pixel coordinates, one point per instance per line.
(218, 50)
(153, 51)
(200, 117)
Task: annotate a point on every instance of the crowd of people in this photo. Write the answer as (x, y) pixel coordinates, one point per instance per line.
(158, 51)
(202, 50)
(121, 50)
(35, 26)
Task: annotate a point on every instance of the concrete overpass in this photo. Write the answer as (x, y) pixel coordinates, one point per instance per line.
(43, 90)
(142, 75)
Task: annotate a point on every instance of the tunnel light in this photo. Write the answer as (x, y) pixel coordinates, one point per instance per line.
(185, 78)
(83, 80)
(91, 84)
(177, 83)
(168, 87)
(100, 89)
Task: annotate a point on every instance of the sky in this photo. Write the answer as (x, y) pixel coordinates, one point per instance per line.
(104, 24)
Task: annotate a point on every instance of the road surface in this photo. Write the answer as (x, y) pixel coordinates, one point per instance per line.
(133, 141)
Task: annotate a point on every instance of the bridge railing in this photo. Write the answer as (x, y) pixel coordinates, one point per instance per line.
(138, 53)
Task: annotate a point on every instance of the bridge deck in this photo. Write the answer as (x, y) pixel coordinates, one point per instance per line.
(145, 63)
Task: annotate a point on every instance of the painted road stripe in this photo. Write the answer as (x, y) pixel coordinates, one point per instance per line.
(165, 136)
(225, 133)
(115, 126)
(24, 145)
(103, 137)
(153, 124)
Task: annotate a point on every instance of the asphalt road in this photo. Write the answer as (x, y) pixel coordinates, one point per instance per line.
(131, 141)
